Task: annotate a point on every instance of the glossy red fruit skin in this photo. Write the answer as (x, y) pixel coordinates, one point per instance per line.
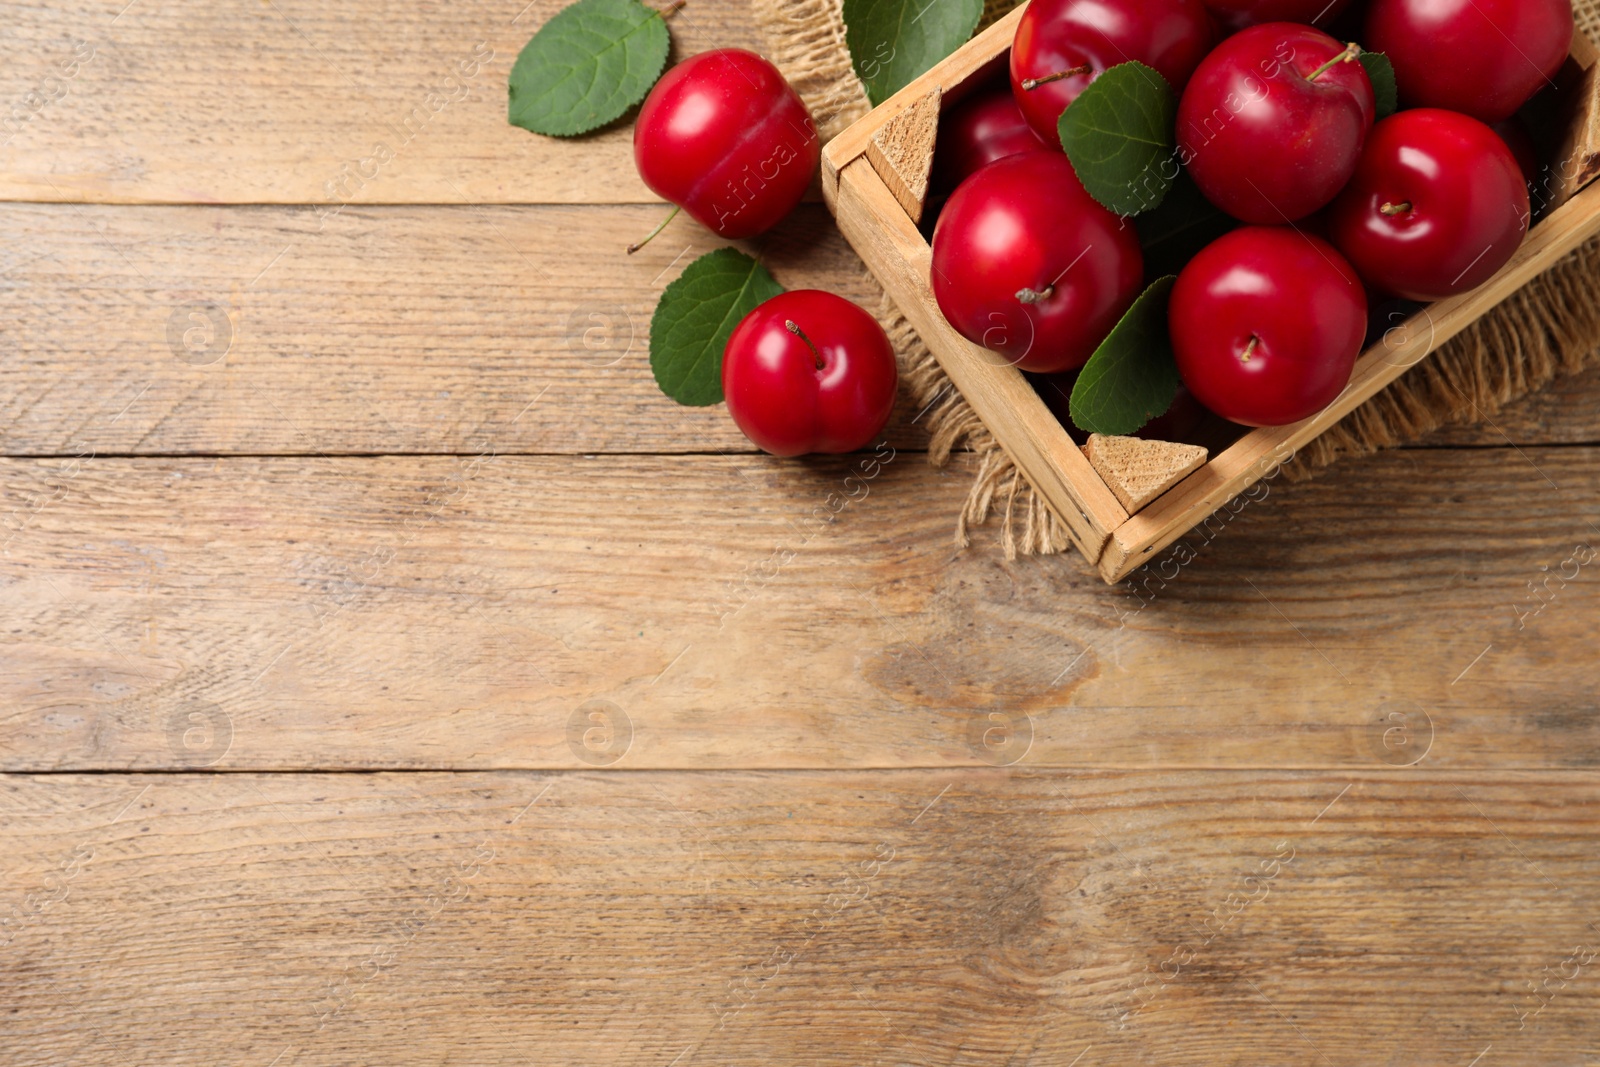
(1483, 58)
(1241, 14)
(723, 136)
(1469, 206)
(1172, 36)
(1025, 223)
(788, 405)
(985, 128)
(1292, 292)
(1264, 143)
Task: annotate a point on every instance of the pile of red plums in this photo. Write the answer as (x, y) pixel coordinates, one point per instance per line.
(1333, 208)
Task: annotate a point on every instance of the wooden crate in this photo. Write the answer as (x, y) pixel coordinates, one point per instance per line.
(876, 211)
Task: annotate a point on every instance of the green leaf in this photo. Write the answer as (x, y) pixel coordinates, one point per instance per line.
(696, 315)
(1384, 86)
(1175, 232)
(587, 66)
(1132, 377)
(893, 42)
(1120, 135)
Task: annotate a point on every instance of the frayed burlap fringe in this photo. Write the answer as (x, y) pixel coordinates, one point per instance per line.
(805, 38)
(1028, 526)
(1549, 329)
(1542, 332)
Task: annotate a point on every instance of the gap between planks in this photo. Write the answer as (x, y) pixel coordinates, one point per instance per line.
(747, 453)
(1414, 773)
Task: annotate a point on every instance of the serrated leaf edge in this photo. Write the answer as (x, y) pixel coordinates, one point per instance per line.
(1150, 74)
(672, 291)
(584, 126)
(856, 63)
(1078, 407)
(1389, 65)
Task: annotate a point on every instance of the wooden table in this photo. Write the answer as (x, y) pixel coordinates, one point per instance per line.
(391, 675)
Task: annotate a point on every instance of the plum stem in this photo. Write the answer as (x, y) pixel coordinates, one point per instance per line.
(1250, 349)
(1349, 55)
(1392, 210)
(1031, 296)
(634, 248)
(794, 328)
(1030, 84)
(672, 8)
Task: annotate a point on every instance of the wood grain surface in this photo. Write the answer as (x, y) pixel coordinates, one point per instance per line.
(440, 612)
(294, 102)
(268, 330)
(969, 917)
(170, 330)
(595, 737)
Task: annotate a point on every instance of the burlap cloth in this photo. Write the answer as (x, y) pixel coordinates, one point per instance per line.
(1549, 329)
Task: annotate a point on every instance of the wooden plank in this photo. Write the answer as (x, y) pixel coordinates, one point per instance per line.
(292, 101)
(396, 330)
(224, 330)
(413, 612)
(945, 917)
(878, 228)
